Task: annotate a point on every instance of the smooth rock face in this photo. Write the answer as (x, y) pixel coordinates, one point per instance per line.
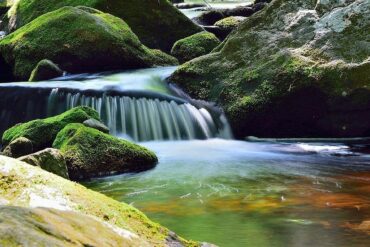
(48, 159)
(157, 23)
(291, 71)
(91, 153)
(95, 124)
(79, 40)
(18, 147)
(45, 70)
(22, 185)
(194, 46)
(21, 226)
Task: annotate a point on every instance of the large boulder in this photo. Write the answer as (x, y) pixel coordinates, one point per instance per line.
(92, 153)
(291, 71)
(79, 40)
(157, 23)
(42, 132)
(48, 159)
(85, 213)
(196, 45)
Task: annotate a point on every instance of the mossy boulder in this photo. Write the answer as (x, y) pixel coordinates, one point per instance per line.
(22, 185)
(157, 23)
(48, 159)
(45, 70)
(92, 153)
(79, 40)
(42, 132)
(196, 45)
(230, 23)
(304, 75)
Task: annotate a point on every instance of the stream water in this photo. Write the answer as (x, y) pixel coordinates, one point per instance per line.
(230, 193)
(235, 193)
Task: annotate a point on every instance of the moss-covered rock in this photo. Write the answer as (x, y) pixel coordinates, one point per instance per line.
(23, 185)
(230, 23)
(196, 45)
(45, 70)
(157, 23)
(50, 160)
(79, 40)
(91, 153)
(42, 132)
(290, 72)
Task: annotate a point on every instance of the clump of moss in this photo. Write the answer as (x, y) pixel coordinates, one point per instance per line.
(230, 22)
(45, 70)
(79, 40)
(42, 132)
(196, 45)
(155, 22)
(90, 153)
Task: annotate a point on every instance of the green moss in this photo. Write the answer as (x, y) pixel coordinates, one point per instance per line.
(79, 199)
(157, 23)
(230, 22)
(196, 45)
(90, 153)
(42, 132)
(78, 40)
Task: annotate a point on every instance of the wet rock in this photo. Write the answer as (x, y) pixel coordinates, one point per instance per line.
(50, 160)
(45, 70)
(92, 153)
(95, 124)
(190, 5)
(290, 72)
(18, 147)
(194, 46)
(210, 17)
(42, 132)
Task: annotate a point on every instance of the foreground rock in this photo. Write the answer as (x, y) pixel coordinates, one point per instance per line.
(50, 160)
(92, 153)
(86, 214)
(42, 132)
(194, 46)
(78, 40)
(297, 69)
(157, 23)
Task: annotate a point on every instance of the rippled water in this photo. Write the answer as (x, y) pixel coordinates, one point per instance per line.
(234, 193)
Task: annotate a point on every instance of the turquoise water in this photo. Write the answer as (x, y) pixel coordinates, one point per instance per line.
(234, 193)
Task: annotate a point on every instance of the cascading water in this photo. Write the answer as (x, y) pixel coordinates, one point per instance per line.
(137, 105)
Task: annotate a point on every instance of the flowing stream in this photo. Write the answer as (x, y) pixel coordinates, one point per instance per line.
(206, 186)
(235, 193)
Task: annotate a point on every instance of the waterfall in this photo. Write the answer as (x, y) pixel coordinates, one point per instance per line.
(137, 105)
(143, 119)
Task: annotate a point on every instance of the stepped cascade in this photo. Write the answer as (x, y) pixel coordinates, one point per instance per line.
(141, 108)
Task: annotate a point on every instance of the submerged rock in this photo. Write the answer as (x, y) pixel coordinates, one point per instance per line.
(48, 159)
(92, 153)
(291, 71)
(45, 70)
(157, 23)
(18, 147)
(194, 46)
(42, 132)
(79, 40)
(23, 185)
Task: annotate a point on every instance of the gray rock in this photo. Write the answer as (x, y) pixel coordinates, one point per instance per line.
(19, 147)
(95, 124)
(48, 159)
(45, 70)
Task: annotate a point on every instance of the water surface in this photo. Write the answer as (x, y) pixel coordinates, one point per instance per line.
(234, 193)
